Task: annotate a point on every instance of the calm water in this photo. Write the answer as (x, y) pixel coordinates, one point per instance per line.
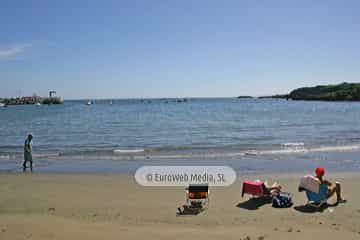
(164, 129)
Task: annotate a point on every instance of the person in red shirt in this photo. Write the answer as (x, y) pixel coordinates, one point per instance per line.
(332, 188)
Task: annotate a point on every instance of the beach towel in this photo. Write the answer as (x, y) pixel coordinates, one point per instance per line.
(254, 188)
(310, 183)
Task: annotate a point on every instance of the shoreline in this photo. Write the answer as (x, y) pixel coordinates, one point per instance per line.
(333, 161)
(271, 176)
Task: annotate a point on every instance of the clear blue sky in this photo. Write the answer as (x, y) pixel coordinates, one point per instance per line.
(153, 48)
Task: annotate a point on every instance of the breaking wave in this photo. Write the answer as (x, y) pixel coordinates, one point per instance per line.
(182, 152)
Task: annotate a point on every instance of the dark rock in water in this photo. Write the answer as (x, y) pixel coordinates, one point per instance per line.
(244, 97)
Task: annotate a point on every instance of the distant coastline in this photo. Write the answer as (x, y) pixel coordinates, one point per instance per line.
(340, 92)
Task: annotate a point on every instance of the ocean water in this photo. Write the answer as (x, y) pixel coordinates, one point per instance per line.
(134, 132)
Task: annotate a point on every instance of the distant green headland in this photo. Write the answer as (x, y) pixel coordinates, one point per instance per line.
(244, 97)
(340, 92)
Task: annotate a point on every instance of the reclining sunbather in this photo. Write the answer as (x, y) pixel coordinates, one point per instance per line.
(259, 189)
(274, 188)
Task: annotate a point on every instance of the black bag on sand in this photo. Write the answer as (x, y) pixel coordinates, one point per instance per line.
(282, 200)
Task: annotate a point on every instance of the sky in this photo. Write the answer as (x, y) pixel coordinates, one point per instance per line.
(176, 48)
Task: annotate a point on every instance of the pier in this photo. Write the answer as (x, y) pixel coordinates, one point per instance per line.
(51, 99)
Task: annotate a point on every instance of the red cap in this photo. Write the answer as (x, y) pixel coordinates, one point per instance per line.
(320, 171)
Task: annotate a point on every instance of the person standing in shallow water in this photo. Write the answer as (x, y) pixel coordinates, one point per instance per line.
(28, 152)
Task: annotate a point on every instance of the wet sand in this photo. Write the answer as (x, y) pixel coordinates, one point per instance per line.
(83, 206)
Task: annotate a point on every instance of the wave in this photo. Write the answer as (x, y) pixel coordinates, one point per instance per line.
(293, 144)
(336, 148)
(187, 152)
(5, 156)
(128, 151)
(302, 149)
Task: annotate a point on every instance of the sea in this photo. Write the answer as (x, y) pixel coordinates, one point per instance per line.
(120, 135)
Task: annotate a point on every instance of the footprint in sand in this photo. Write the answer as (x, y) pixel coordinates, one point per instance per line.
(246, 238)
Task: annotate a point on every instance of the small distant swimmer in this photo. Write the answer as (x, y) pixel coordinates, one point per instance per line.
(28, 152)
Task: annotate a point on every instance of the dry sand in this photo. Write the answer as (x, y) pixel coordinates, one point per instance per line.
(49, 206)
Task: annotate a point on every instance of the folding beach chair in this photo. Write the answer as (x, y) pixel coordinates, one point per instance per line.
(198, 194)
(316, 192)
(317, 199)
(197, 199)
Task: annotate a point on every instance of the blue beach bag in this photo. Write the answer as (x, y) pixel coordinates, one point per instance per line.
(282, 200)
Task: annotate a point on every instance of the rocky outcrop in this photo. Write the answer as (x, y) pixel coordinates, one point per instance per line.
(340, 92)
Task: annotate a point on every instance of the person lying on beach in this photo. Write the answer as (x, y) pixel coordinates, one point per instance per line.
(259, 188)
(332, 187)
(271, 189)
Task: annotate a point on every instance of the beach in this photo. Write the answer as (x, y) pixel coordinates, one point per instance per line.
(83, 186)
(114, 206)
(151, 119)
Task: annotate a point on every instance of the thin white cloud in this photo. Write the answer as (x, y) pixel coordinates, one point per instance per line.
(7, 53)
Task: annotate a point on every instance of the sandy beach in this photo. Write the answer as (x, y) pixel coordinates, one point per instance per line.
(119, 106)
(63, 206)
